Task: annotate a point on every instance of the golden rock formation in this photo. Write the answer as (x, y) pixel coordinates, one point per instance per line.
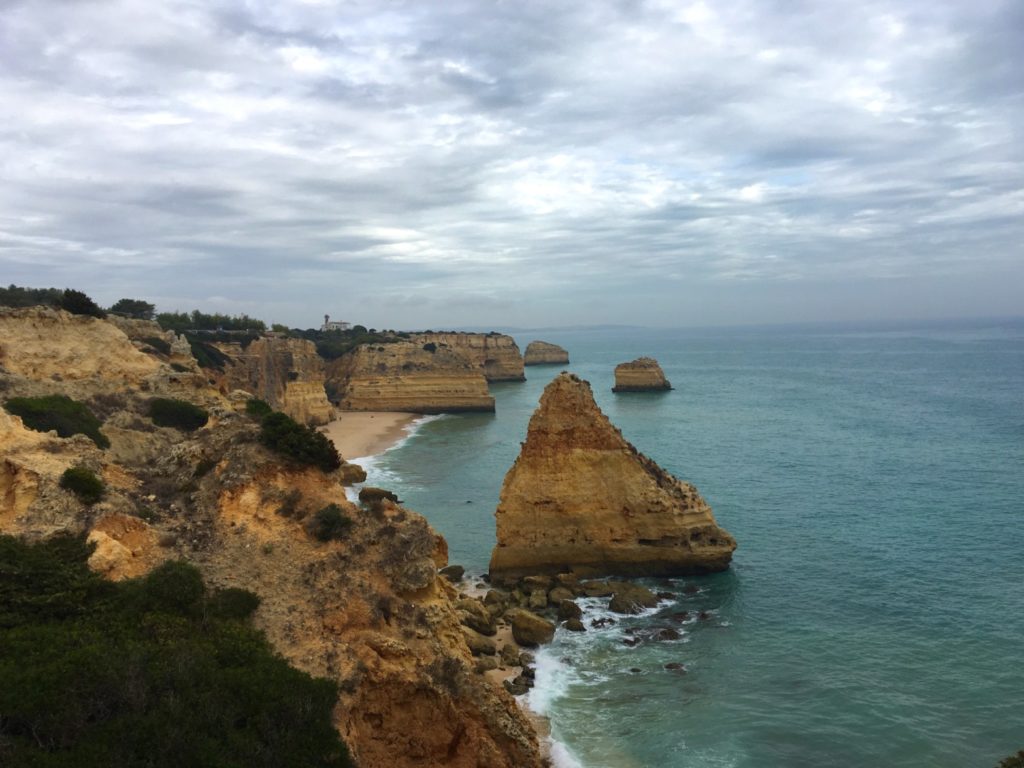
(580, 497)
(640, 375)
(496, 354)
(43, 343)
(545, 353)
(408, 376)
(287, 373)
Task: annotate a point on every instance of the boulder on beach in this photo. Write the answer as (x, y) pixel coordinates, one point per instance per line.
(530, 629)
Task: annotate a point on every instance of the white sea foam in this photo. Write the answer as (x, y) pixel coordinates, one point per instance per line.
(377, 474)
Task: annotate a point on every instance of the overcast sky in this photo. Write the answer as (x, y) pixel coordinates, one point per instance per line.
(424, 164)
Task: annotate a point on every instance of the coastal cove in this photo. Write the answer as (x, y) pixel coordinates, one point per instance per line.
(873, 611)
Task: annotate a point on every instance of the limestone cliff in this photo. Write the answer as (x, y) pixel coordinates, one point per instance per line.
(640, 375)
(287, 373)
(545, 353)
(408, 376)
(368, 610)
(496, 354)
(580, 497)
(42, 343)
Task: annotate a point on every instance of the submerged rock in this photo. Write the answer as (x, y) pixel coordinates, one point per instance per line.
(580, 497)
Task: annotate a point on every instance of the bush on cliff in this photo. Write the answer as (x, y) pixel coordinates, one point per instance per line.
(258, 408)
(180, 414)
(329, 523)
(83, 482)
(207, 355)
(137, 308)
(302, 444)
(78, 303)
(58, 412)
(147, 672)
(18, 296)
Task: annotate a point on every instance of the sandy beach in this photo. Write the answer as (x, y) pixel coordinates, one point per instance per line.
(357, 434)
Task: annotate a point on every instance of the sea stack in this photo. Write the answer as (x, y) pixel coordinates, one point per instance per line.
(544, 353)
(640, 375)
(581, 498)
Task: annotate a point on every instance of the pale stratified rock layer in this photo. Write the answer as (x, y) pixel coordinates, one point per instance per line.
(580, 497)
(287, 373)
(640, 375)
(403, 376)
(496, 354)
(545, 353)
(43, 343)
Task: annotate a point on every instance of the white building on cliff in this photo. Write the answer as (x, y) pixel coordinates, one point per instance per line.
(336, 325)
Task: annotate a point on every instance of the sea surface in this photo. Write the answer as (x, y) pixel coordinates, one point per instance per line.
(874, 613)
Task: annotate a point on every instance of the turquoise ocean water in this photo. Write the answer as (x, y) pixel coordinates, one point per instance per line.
(874, 614)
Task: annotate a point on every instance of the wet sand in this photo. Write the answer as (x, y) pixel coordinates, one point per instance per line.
(358, 434)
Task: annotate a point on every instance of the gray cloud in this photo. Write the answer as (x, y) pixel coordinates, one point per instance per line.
(409, 164)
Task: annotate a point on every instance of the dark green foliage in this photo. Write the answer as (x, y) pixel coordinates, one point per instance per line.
(258, 408)
(69, 417)
(207, 355)
(1013, 761)
(78, 303)
(179, 322)
(160, 345)
(430, 347)
(180, 414)
(179, 368)
(136, 308)
(82, 482)
(15, 296)
(331, 345)
(329, 523)
(302, 444)
(233, 603)
(204, 466)
(149, 672)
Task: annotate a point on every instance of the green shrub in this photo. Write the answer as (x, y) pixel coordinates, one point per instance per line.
(78, 303)
(179, 368)
(329, 523)
(301, 444)
(180, 414)
(83, 483)
(1013, 761)
(69, 417)
(430, 347)
(207, 355)
(16, 296)
(160, 345)
(136, 308)
(258, 408)
(136, 673)
(233, 603)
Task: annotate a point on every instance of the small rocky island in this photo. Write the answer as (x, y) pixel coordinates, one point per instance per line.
(640, 375)
(545, 353)
(580, 498)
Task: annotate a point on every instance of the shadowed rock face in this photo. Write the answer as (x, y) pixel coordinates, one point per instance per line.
(495, 354)
(544, 353)
(581, 498)
(640, 375)
(410, 377)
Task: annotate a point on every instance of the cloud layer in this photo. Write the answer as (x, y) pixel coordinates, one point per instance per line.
(413, 164)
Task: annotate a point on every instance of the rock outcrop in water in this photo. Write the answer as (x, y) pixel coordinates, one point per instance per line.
(366, 610)
(640, 375)
(287, 373)
(544, 353)
(408, 376)
(496, 354)
(580, 497)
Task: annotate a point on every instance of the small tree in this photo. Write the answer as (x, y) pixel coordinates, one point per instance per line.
(330, 523)
(78, 303)
(180, 414)
(136, 308)
(83, 482)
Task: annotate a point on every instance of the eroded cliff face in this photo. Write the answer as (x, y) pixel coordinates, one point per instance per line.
(496, 354)
(545, 353)
(42, 343)
(286, 373)
(406, 376)
(367, 610)
(580, 497)
(640, 375)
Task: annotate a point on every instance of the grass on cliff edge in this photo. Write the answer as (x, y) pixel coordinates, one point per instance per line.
(153, 672)
(58, 412)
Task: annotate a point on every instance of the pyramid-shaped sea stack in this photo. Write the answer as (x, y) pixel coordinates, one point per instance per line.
(581, 498)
